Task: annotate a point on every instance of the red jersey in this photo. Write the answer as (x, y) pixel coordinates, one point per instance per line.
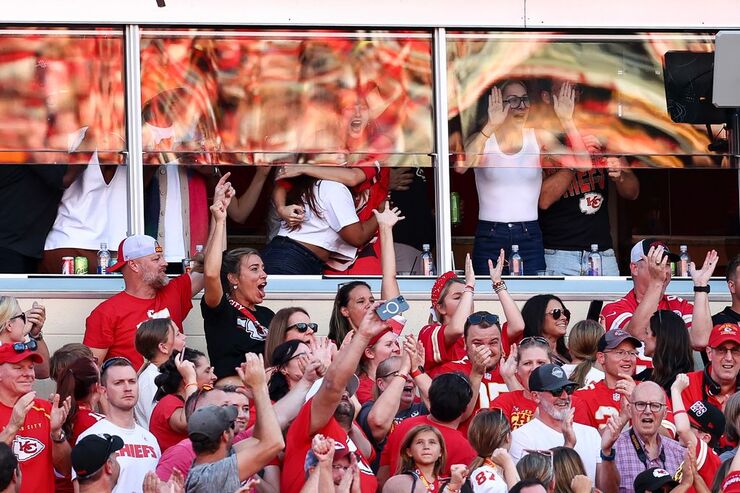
(32, 446)
(113, 323)
(159, 423)
(707, 463)
(84, 419)
(298, 443)
(516, 406)
(595, 404)
(365, 390)
(490, 386)
(459, 450)
(696, 391)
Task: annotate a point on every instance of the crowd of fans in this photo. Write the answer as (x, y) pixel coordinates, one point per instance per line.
(481, 402)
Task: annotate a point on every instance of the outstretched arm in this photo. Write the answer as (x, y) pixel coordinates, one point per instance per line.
(386, 220)
(241, 207)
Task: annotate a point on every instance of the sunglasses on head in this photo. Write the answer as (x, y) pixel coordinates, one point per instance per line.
(303, 327)
(479, 318)
(534, 340)
(569, 389)
(19, 347)
(110, 362)
(21, 315)
(557, 312)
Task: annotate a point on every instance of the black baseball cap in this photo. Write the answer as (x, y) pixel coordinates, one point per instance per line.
(707, 418)
(210, 422)
(92, 451)
(653, 479)
(615, 337)
(549, 377)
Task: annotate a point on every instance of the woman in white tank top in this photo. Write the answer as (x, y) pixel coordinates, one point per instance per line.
(506, 155)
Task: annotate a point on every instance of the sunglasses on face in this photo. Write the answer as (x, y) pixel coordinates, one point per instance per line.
(19, 347)
(21, 315)
(557, 312)
(569, 389)
(517, 101)
(303, 327)
(478, 318)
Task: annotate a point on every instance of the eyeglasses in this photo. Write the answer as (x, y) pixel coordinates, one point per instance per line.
(391, 374)
(303, 327)
(569, 389)
(21, 315)
(533, 340)
(621, 353)
(655, 407)
(517, 101)
(479, 318)
(557, 312)
(112, 361)
(19, 347)
(734, 351)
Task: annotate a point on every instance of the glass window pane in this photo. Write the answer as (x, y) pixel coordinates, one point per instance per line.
(335, 105)
(62, 145)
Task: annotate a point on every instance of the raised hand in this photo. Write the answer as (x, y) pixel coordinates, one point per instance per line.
(186, 369)
(223, 192)
(507, 366)
(625, 386)
(401, 179)
(497, 109)
(501, 457)
(680, 383)
(564, 104)
(458, 473)
(568, 433)
(35, 318)
(20, 410)
(388, 217)
(314, 370)
(611, 432)
(580, 484)
(411, 348)
(656, 263)
(469, 272)
(323, 448)
(495, 270)
(324, 350)
(371, 325)
(252, 371)
(701, 277)
(292, 214)
(482, 358)
(59, 411)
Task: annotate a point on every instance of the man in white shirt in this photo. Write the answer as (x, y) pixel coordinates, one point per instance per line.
(553, 422)
(140, 452)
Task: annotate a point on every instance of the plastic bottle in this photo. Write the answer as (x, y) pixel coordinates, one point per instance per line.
(594, 261)
(103, 259)
(427, 261)
(516, 263)
(683, 264)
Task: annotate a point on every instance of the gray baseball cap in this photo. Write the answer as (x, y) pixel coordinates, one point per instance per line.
(211, 421)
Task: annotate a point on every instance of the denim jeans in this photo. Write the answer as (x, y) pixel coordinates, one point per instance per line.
(575, 263)
(491, 237)
(285, 256)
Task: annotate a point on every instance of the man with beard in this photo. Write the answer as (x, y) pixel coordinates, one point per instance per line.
(641, 447)
(110, 330)
(330, 412)
(552, 425)
(140, 451)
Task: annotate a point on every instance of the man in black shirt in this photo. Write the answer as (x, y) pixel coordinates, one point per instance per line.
(731, 314)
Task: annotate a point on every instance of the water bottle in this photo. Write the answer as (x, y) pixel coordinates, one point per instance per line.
(427, 261)
(594, 261)
(103, 259)
(684, 260)
(516, 263)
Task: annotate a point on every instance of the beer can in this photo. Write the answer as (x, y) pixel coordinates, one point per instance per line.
(68, 266)
(186, 266)
(455, 208)
(80, 265)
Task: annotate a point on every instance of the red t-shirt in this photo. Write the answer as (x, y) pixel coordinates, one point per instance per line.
(696, 392)
(490, 386)
(459, 450)
(85, 419)
(113, 323)
(365, 389)
(159, 423)
(617, 314)
(298, 443)
(596, 403)
(707, 463)
(32, 445)
(436, 352)
(516, 406)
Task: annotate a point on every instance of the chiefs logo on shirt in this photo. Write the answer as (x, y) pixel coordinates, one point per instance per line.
(26, 448)
(257, 333)
(590, 203)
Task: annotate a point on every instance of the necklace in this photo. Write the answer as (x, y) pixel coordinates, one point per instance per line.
(429, 485)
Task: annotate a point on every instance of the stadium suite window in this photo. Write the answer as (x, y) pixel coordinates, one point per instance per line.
(62, 145)
(611, 89)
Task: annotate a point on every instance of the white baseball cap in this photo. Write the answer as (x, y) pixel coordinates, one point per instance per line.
(133, 247)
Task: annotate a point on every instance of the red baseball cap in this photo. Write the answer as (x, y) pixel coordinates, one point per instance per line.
(724, 333)
(133, 247)
(9, 353)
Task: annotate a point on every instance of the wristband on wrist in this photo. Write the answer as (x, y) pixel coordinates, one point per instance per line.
(417, 371)
(191, 385)
(702, 289)
(62, 437)
(499, 286)
(470, 288)
(610, 457)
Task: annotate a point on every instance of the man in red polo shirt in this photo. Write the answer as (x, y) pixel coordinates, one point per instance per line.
(617, 354)
(718, 381)
(482, 334)
(37, 439)
(651, 273)
(331, 413)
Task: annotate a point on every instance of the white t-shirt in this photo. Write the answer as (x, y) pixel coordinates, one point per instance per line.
(594, 375)
(147, 390)
(338, 210)
(488, 479)
(536, 435)
(139, 455)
